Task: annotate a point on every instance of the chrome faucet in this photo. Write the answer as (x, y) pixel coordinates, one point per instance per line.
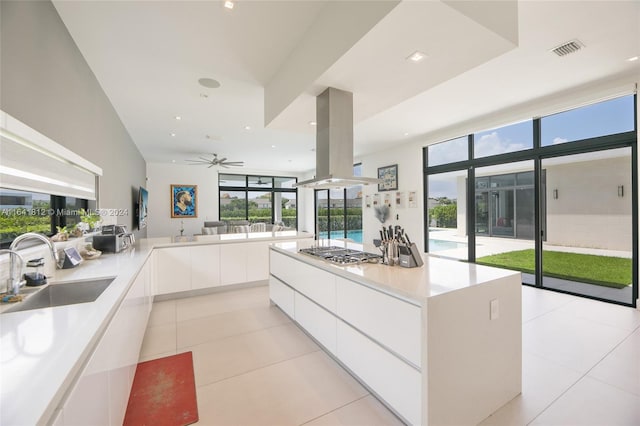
(14, 282)
(40, 237)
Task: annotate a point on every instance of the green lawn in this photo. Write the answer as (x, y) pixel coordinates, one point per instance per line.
(601, 270)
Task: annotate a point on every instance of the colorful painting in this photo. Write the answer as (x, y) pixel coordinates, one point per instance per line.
(184, 200)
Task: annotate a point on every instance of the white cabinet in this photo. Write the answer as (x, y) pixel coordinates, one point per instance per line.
(173, 269)
(233, 258)
(101, 394)
(282, 295)
(394, 323)
(257, 261)
(316, 284)
(317, 321)
(395, 381)
(205, 266)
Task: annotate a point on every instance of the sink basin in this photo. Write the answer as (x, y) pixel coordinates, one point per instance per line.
(61, 294)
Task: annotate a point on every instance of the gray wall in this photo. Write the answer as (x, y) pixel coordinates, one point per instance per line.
(46, 83)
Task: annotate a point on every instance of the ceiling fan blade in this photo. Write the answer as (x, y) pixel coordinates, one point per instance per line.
(210, 166)
(223, 159)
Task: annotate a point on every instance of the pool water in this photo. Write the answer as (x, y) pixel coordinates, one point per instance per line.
(439, 245)
(355, 235)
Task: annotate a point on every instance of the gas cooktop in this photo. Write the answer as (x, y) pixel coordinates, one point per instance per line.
(341, 255)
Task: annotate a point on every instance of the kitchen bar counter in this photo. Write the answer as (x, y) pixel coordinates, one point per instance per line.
(436, 277)
(43, 351)
(439, 344)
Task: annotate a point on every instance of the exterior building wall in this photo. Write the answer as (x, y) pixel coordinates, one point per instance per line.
(588, 211)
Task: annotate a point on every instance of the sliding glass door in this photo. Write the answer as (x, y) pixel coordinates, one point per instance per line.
(588, 247)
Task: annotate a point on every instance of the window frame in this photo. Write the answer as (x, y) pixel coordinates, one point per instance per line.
(253, 189)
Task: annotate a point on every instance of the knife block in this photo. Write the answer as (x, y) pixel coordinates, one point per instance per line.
(411, 257)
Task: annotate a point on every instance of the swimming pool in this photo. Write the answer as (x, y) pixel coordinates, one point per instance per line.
(439, 245)
(355, 235)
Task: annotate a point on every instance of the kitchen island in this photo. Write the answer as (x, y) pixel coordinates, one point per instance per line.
(439, 344)
(75, 364)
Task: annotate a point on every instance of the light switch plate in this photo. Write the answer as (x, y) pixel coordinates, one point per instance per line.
(494, 309)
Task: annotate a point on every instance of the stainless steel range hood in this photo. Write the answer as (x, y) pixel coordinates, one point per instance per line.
(334, 142)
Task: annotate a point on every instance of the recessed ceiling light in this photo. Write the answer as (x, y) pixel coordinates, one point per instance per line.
(633, 58)
(209, 83)
(273, 146)
(178, 117)
(173, 161)
(247, 127)
(406, 133)
(228, 4)
(313, 123)
(172, 134)
(416, 56)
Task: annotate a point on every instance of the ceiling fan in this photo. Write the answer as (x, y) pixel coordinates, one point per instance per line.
(215, 161)
(260, 182)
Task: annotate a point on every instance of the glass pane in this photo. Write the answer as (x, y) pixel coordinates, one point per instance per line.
(233, 205)
(499, 181)
(285, 209)
(73, 206)
(336, 213)
(515, 137)
(260, 181)
(505, 219)
(603, 118)
(259, 207)
(449, 151)
(322, 213)
(285, 182)
(232, 180)
(588, 247)
(354, 213)
(446, 214)
(357, 169)
(22, 212)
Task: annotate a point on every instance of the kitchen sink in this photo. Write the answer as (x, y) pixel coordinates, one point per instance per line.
(66, 293)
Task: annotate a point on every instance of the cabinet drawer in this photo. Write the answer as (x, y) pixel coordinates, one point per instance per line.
(282, 296)
(318, 322)
(316, 284)
(392, 379)
(392, 322)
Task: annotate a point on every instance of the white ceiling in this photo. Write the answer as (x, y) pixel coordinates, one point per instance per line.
(148, 57)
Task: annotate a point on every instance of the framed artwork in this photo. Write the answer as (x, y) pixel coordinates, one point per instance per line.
(389, 176)
(387, 200)
(400, 200)
(184, 200)
(367, 201)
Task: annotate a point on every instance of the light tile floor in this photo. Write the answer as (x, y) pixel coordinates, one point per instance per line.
(253, 366)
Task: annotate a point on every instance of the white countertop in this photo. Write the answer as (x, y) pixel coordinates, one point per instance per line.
(42, 350)
(437, 276)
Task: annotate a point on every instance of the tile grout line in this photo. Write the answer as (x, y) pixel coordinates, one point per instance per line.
(585, 375)
(335, 409)
(257, 368)
(230, 336)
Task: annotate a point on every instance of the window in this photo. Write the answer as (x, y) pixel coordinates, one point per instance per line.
(604, 118)
(448, 152)
(515, 137)
(339, 211)
(556, 205)
(24, 211)
(258, 199)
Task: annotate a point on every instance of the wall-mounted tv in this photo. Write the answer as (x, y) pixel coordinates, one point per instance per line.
(143, 201)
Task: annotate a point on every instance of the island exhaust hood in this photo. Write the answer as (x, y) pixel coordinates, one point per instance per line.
(334, 142)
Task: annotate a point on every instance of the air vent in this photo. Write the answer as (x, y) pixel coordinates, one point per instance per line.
(569, 47)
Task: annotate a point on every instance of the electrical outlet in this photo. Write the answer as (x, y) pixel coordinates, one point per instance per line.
(494, 309)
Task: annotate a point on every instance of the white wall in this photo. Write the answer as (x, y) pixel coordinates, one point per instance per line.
(408, 157)
(160, 177)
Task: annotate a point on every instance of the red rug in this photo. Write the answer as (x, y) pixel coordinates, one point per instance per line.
(163, 393)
